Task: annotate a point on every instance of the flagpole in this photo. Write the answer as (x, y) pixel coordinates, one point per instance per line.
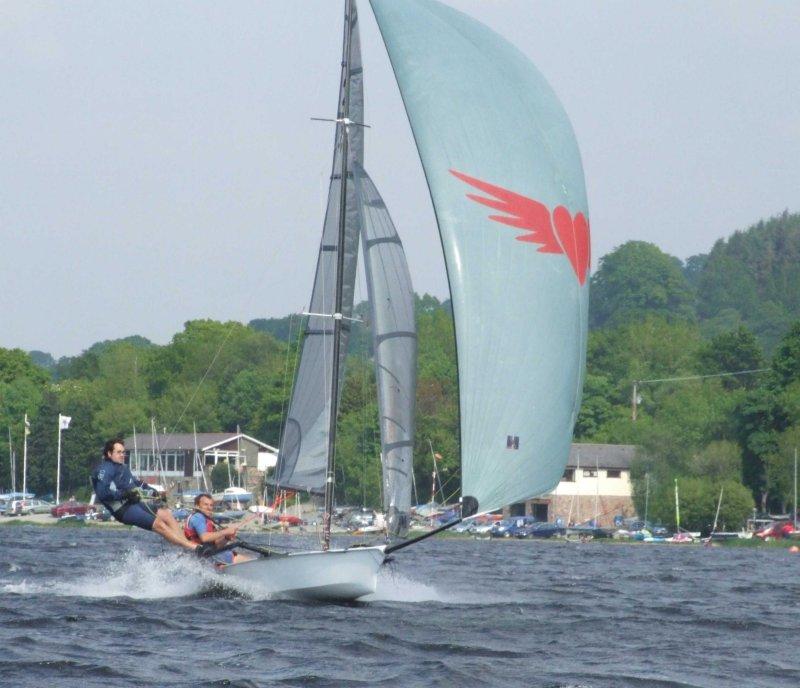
(58, 464)
(25, 457)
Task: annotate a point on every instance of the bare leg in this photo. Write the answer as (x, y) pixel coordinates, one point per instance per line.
(168, 528)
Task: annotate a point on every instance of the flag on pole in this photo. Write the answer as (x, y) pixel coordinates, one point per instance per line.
(27, 426)
(63, 422)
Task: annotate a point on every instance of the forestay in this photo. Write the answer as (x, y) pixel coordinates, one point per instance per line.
(505, 176)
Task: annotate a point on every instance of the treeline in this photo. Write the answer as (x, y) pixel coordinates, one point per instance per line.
(653, 319)
(750, 279)
(219, 376)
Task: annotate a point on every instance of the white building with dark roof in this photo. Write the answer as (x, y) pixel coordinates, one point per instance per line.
(596, 484)
(177, 458)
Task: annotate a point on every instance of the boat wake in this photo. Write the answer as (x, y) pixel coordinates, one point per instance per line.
(136, 575)
(394, 586)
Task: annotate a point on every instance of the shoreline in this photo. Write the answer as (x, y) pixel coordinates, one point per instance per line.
(45, 521)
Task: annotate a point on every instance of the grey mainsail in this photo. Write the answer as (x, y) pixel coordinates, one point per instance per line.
(304, 444)
(394, 336)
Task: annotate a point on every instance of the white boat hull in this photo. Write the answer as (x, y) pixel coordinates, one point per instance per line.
(335, 575)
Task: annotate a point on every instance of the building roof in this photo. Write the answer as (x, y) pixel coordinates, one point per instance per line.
(206, 441)
(603, 455)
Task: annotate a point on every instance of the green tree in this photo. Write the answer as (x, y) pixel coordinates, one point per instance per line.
(754, 274)
(779, 469)
(596, 408)
(759, 418)
(635, 280)
(786, 360)
(221, 476)
(698, 503)
(16, 364)
(651, 348)
(731, 352)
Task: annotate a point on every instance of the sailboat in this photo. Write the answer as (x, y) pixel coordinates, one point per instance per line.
(506, 181)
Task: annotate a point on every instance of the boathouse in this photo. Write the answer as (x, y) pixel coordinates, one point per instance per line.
(596, 485)
(179, 459)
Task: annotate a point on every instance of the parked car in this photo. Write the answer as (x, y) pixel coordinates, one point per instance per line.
(360, 519)
(483, 524)
(71, 508)
(3, 506)
(24, 507)
(465, 526)
(500, 529)
(518, 526)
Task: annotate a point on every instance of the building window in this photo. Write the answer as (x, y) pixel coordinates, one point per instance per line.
(589, 473)
(569, 475)
(613, 473)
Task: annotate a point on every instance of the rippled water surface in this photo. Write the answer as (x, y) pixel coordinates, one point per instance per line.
(105, 607)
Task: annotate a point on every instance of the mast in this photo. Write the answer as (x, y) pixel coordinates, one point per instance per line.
(137, 465)
(343, 117)
(596, 489)
(12, 462)
(58, 463)
(198, 462)
(795, 488)
(677, 510)
(716, 515)
(26, 432)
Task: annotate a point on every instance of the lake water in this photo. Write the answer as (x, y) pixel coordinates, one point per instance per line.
(105, 607)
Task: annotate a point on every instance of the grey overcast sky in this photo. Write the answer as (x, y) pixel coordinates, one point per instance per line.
(158, 163)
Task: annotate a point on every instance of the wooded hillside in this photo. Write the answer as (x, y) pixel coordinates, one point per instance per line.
(652, 317)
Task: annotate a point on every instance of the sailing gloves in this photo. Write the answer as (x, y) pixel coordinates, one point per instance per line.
(131, 496)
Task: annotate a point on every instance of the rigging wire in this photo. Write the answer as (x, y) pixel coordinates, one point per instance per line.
(199, 384)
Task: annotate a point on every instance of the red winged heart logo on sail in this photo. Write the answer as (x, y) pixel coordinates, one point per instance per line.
(556, 232)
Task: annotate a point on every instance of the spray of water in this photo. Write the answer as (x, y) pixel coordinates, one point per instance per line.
(136, 575)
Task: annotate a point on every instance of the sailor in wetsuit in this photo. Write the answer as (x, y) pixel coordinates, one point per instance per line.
(116, 488)
(201, 529)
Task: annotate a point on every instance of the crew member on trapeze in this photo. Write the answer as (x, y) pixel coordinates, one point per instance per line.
(121, 493)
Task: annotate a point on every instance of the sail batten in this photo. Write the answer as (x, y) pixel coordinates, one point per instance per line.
(506, 181)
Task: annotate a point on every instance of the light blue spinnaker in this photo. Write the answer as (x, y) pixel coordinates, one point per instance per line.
(507, 185)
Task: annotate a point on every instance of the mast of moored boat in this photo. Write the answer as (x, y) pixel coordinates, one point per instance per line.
(135, 464)
(716, 515)
(795, 488)
(11, 462)
(342, 124)
(26, 432)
